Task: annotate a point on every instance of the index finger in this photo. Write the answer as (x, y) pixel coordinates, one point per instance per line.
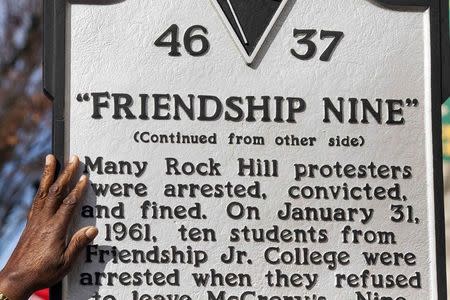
(68, 205)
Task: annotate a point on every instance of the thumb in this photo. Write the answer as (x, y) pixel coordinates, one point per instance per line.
(78, 242)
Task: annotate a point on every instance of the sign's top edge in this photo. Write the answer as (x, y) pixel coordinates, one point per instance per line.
(387, 3)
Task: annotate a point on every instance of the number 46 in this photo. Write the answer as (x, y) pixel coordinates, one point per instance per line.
(306, 36)
(170, 39)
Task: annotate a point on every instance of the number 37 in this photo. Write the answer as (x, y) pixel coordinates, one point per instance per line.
(306, 36)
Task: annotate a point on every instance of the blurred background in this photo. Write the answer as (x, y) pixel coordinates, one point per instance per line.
(25, 118)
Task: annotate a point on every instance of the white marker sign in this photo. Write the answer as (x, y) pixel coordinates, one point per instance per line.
(252, 150)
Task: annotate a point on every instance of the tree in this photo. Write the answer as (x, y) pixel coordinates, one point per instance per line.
(25, 113)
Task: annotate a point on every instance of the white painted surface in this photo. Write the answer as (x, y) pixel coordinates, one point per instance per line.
(382, 55)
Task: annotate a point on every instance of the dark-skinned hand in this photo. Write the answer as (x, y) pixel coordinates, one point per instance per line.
(43, 256)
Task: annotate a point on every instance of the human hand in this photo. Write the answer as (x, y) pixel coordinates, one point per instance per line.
(42, 257)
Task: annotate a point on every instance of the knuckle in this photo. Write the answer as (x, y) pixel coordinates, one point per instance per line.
(70, 200)
(46, 173)
(55, 189)
(41, 194)
(69, 170)
(80, 242)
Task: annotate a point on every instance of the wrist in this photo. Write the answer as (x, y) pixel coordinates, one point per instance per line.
(13, 287)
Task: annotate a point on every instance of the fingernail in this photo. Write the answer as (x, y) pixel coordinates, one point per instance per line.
(48, 159)
(83, 178)
(73, 158)
(91, 233)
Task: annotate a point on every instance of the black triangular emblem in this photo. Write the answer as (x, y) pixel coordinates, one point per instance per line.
(249, 22)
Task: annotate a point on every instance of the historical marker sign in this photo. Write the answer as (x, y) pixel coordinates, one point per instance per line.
(257, 149)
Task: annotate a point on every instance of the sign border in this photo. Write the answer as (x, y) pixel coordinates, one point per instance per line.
(54, 86)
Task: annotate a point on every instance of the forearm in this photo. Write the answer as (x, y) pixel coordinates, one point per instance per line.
(12, 286)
